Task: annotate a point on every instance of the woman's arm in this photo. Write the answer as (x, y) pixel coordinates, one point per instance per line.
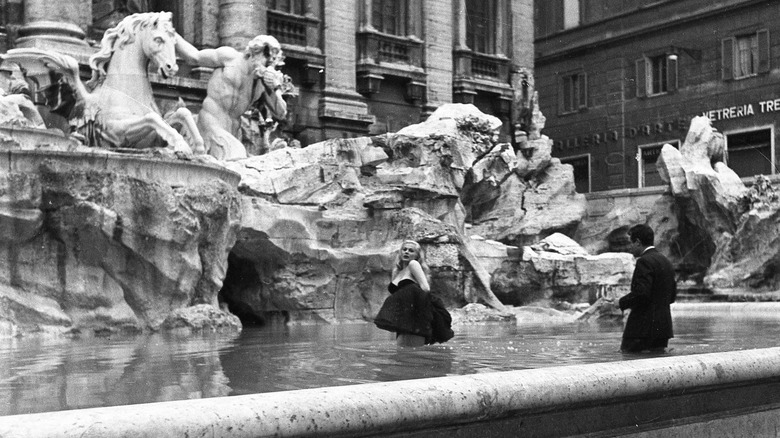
(418, 275)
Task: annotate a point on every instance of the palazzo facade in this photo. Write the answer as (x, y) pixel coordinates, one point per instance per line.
(618, 79)
(362, 66)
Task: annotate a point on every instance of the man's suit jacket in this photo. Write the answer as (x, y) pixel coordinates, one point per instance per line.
(653, 289)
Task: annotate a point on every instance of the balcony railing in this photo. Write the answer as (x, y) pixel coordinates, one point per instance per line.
(473, 65)
(375, 48)
(292, 29)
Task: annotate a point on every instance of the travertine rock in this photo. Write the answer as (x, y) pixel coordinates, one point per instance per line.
(722, 229)
(322, 224)
(107, 251)
(528, 210)
(556, 269)
(334, 265)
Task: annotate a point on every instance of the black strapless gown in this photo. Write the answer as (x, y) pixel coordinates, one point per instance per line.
(411, 310)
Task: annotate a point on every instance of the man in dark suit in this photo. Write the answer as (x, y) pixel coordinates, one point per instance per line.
(653, 289)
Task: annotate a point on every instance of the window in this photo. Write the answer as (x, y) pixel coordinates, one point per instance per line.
(551, 16)
(745, 55)
(581, 165)
(647, 157)
(388, 16)
(289, 6)
(656, 75)
(571, 13)
(574, 92)
(751, 153)
(481, 25)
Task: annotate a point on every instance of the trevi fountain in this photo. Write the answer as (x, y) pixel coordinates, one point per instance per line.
(158, 280)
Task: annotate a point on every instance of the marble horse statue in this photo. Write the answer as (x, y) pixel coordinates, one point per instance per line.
(120, 110)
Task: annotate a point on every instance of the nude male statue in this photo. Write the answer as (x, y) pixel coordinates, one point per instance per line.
(238, 81)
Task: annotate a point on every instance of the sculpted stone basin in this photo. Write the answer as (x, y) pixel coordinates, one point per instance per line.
(175, 173)
(30, 138)
(104, 241)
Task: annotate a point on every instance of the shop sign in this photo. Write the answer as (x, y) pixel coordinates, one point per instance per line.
(613, 136)
(680, 124)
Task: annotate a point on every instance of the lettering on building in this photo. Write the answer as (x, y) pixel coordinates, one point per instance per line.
(667, 126)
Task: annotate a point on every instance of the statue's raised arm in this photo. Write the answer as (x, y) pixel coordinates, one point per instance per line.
(239, 80)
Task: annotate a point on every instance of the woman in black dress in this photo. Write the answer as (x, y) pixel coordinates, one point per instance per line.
(416, 316)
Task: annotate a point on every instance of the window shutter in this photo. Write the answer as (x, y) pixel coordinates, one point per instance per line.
(583, 97)
(763, 51)
(558, 5)
(641, 78)
(671, 74)
(727, 58)
(561, 84)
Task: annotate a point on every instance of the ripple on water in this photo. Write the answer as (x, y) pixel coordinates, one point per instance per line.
(140, 369)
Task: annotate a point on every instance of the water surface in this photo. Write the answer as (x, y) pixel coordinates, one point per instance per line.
(38, 375)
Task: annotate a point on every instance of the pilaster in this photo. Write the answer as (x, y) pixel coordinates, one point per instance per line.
(438, 24)
(240, 21)
(341, 107)
(60, 26)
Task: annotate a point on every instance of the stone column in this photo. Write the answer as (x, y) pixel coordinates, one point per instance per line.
(438, 26)
(56, 25)
(460, 25)
(240, 21)
(342, 110)
(366, 24)
(205, 35)
(414, 19)
(521, 34)
(501, 28)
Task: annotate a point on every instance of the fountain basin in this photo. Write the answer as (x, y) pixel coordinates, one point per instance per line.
(680, 396)
(30, 138)
(112, 241)
(174, 173)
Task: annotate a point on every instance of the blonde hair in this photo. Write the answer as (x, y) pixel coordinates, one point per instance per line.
(420, 257)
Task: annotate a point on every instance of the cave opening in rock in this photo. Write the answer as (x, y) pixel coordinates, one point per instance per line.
(241, 291)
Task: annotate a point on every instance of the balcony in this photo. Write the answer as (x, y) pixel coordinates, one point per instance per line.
(476, 72)
(299, 36)
(390, 54)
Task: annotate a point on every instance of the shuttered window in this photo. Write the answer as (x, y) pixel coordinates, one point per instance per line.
(656, 75)
(573, 92)
(744, 56)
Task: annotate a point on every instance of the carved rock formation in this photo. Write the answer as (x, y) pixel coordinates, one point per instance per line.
(322, 224)
(558, 269)
(725, 227)
(90, 248)
(521, 197)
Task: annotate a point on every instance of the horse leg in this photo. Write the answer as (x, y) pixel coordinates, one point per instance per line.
(134, 129)
(184, 117)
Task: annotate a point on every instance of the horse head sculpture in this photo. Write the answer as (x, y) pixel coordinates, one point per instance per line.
(150, 34)
(120, 110)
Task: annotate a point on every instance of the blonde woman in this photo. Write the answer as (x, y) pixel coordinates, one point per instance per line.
(416, 316)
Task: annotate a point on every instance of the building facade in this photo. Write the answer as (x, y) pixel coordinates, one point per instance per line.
(618, 79)
(362, 66)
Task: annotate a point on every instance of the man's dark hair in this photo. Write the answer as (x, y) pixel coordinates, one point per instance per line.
(643, 233)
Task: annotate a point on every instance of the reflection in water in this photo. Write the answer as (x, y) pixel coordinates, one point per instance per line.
(38, 375)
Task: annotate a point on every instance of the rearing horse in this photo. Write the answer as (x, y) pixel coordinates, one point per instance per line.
(121, 107)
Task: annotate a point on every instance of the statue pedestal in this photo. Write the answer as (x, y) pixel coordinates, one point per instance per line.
(64, 38)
